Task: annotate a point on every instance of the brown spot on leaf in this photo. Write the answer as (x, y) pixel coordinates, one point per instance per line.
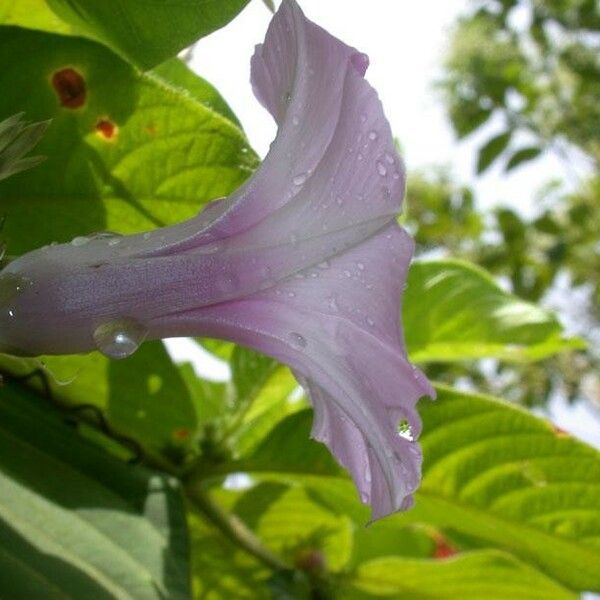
(106, 129)
(70, 87)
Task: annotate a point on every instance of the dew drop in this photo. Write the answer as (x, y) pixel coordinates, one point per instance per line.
(405, 431)
(300, 179)
(347, 273)
(11, 285)
(364, 497)
(370, 322)
(367, 474)
(296, 121)
(339, 201)
(389, 158)
(79, 241)
(363, 118)
(119, 338)
(114, 241)
(146, 235)
(396, 176)
(359, 156)
(324, 265)
(373, 135)
(361, 266)
(381, 168)
(297, 340)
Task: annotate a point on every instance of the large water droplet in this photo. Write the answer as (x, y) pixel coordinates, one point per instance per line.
(373, 135)
(381, 168)
(119, 338)
(297, 340)
(405, 431)
(300, 179)
(367, 473)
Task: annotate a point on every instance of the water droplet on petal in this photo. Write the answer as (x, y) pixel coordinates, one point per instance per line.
(146, 235)
(359, 156)
(389, 158)
(300, 179)
(373, 135)
(367, 473)
(405, 431)
(347, 273)
(370, 322)
(114, 241)
(364, 497)
(381, 168)
(324, 265)
(119, 338)
(363, 118)
(297, 340)
(80, 240)
(296, 121)
(361, 266)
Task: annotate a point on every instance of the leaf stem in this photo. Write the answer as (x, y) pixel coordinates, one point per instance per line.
(234, 528)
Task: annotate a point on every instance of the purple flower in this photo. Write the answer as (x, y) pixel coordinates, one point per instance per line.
(305, 263)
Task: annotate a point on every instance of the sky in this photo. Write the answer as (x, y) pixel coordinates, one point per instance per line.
(406, 43)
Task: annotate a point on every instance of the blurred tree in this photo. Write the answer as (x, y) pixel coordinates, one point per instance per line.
(533, 68)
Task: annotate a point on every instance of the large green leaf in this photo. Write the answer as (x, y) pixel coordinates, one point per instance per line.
(508, 478)
(144, 397)
(137, 153)
(76, 523)
(455, 311)
(488, 574)
(144, 32)
(492, 472)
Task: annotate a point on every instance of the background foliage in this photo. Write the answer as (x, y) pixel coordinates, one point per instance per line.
(116, 477)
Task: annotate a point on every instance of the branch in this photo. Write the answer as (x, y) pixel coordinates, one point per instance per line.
(233, 528)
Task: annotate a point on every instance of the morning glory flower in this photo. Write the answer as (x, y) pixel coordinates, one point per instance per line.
(305, 262)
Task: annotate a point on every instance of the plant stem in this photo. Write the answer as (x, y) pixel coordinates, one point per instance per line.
(233, 528)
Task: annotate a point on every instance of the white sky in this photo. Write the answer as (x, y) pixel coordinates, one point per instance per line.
(406, 42)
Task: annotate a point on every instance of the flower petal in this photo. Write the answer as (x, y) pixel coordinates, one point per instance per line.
(337, 326)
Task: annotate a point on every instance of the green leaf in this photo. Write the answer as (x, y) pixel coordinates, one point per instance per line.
(499, 474)
(127, 151)
(143, 397)
(521, 156)
(491, 471)
(145, 33)
(75, 523)
(17, 138)
(490, 151)
(455, 311)
(290, 523)
(488, 574)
